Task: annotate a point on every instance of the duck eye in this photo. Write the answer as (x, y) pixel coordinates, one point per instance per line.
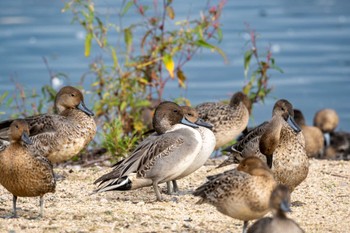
(175, 110)
(72, 95)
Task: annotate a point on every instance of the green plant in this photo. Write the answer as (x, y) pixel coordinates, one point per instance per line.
(132, 72)
(115, 141)
(257, 86)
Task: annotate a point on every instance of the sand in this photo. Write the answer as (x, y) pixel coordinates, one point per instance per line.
(323, 205)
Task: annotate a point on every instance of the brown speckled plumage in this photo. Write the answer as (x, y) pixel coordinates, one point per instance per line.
(60, 137)
(290, 163)
(241, 193)
(229, 120)
(23, 173)
(314, 140)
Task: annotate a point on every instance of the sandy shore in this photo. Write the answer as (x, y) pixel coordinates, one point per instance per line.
(324, 205)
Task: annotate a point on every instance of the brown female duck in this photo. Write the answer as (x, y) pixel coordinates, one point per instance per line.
(23, 173)
(280, 138)
(241, 193)
(279, 204)
(326, 120)
(59, 136)
(314, 140)
(228, 120)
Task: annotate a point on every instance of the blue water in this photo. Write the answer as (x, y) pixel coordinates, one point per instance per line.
(310, 41)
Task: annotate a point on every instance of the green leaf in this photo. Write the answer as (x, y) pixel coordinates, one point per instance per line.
(273, 66)
(3, 96)
(115, 58)
(88, 39)
(220, 35)
(127, 7)
(9, 102)
(204, 44)
(247, 56)
(128, 38)
(123, 106)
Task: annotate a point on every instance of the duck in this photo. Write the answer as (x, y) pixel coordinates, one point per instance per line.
(314, 140)
(242, 193)
(228, 120)
(279, 204)
(279, 138)
(160, 157)
(208, 145)
(339, 146)
(23, 173)
(59, 136)
(327, 121)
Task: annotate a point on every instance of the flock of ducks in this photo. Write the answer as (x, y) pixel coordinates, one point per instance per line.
(272, 157)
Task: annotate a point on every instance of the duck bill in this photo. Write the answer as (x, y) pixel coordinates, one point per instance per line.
(201, 122)
(293, 124)
(285, 206)
(83, 108)
(25, 138)
(188, 123)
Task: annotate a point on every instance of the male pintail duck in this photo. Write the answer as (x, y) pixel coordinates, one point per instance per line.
(242, 193)
(279, 204)
(60, 137)
(160, 157)
(280, 138)
(228, 120)
(314, 140)
(327, 120)
(23, 173)
(208, 145)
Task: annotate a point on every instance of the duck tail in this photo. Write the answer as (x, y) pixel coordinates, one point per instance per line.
(233, 158)
(200, 192)
(120, 184)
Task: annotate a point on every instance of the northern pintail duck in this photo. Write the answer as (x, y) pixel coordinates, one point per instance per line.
(314, 140)
(279, 204)
(280, 138)
(60, 136)
(23, 173)
(327, 120)
(242, 193)
(339, 147)
(228, 120)
(208, 145)
(160, 157)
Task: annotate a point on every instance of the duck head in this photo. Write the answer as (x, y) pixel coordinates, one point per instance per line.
(280, 199)
(254, 166)
(192, 116)
(168, 114)
(69, 98)
(19, 131)
(240, 97)
(284, 109)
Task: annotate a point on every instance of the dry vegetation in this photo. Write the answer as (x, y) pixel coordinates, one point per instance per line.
(323, 205)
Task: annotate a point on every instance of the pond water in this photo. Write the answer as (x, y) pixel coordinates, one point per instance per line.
(310, 41)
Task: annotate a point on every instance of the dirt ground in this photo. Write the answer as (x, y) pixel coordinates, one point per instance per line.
(324, 205)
